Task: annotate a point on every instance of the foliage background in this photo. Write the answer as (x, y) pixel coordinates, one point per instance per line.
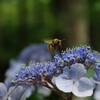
(23, 22)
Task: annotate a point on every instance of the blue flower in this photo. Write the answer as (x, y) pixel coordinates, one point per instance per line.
(19, 93)
(14, 93)
(67, 71)
(92, 58)
(59, 61)
(73, 80)
(37, 72)
(96, 78)
(3, 91)
(35, 52)
(82, 54)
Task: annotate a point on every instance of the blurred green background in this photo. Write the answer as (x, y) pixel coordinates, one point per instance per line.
(23, 22)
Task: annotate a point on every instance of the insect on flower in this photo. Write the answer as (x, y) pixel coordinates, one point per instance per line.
(53, 44)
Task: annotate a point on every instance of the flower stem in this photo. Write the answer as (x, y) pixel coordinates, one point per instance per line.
(61, 94)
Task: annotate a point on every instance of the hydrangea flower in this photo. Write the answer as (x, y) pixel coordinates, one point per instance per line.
(37, 72)
(35, 52)
(20, 93)
(82, 54)
(74, 80)
(3, 91)
(14, 93)
(66, 73)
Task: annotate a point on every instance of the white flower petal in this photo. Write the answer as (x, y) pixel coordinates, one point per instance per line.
(63, 76)
(53, 80)
(65, 70)
(83, 87)
(63, 84)
(77, 71)
(3, 90)
(56, 78)
(15, 92)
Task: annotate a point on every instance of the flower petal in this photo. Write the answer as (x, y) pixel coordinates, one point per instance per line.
(27, 93)
(77, 71)
(14, 68)
(15, 92)
(63, 84)
(63, 76)
(3, 90)
(83, 87)
(66, 70)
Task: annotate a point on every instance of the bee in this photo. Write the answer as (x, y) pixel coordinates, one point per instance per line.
(54, 44)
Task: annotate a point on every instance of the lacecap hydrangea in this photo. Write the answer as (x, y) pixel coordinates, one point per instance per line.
(66, 73)
(33, 52)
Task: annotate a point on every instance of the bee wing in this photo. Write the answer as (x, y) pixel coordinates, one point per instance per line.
(48, 41)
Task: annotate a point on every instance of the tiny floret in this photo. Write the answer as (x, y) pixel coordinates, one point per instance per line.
(82, 54)
(37, 72)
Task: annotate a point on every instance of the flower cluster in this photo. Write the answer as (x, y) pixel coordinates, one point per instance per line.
(75, 63)
(65, 74)
(34, 52)
(37, 72)
(82, 54)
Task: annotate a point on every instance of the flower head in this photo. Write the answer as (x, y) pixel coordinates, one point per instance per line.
(74, 80)
(67, 72)
(82, 54)
(37, 72)
(34, 52)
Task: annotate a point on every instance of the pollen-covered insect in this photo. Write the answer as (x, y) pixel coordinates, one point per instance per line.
(53, 44)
